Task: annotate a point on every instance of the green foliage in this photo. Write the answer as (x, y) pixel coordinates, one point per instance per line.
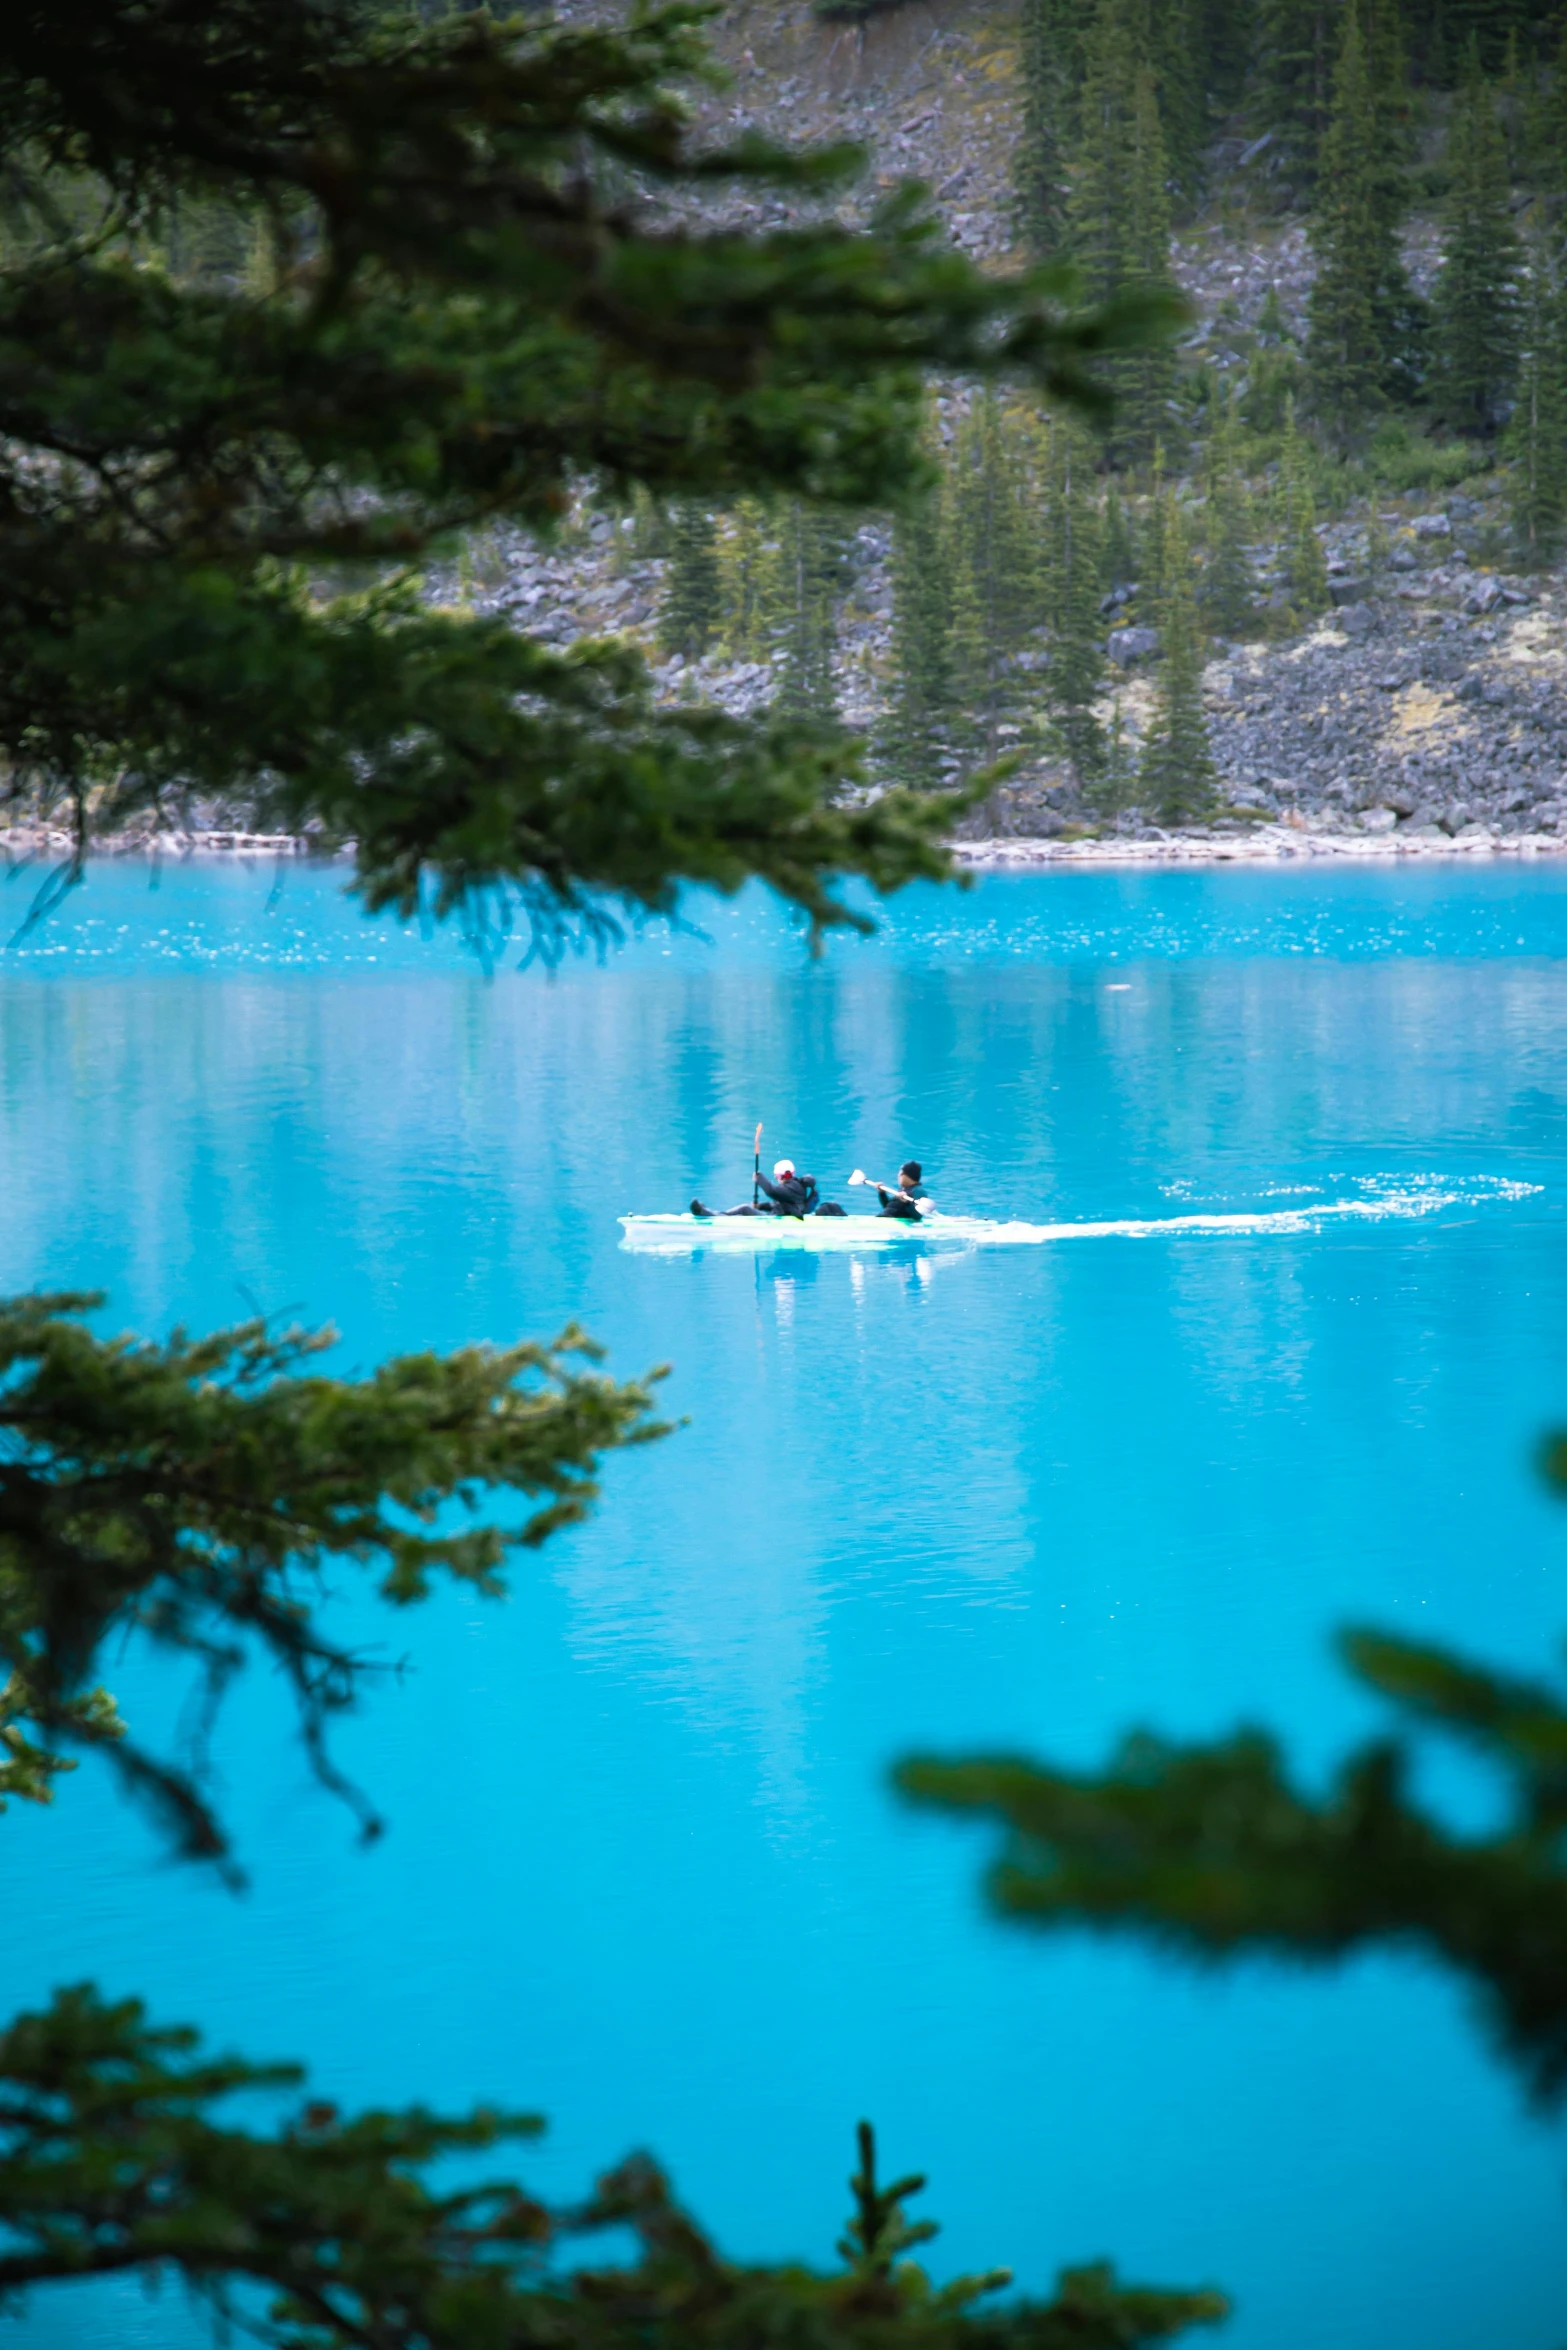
(1304, 562)
(1155, 521)
(1295, 46)
(1537, 436)
(1178, 781)
(1546, 124)
(1362, 312)
(1183, 47)
(1406, 462)
(1211, 1851)
(1228, 32)
(1050, 60)
(918, 731)
(1172, 49)
(1119, 213)
(29, 1770)
(1475, 323)
(1228, 585)
(1145, 380)
(1114, 786)
(326, 2232)
(192, 1496)
(746, 562)
(693, 587)
(1272, 381)
(453, 306)
(809, 579)
(1488, 29)
(1120, 541)
(992, 559)
(1073, 579)
(1010, 563)
(854, 11)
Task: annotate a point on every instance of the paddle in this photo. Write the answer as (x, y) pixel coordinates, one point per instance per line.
(860, 1176)
(756, 1168)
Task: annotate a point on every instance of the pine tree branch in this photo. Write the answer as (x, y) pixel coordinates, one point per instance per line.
(111, 2162)
(195, 1496)
(1212, 1852)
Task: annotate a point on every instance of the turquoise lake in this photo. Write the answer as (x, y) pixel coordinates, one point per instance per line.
(643, 1871)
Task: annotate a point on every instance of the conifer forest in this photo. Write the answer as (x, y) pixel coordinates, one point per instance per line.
(1357, 430)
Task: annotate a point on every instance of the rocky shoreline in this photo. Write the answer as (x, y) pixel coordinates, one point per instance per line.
(24, 844)
(1267, 844)
(1274, 844)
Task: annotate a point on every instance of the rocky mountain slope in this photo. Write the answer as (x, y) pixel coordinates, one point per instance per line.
(1430, 705)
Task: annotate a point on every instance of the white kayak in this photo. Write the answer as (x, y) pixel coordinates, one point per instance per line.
(674, 1235)
(748, 1235)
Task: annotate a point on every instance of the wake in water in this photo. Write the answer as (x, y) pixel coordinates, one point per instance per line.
(1375, 1202)
(1417, 1196)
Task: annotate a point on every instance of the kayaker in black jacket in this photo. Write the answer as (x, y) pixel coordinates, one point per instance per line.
(787, 1194)
(900, 1200)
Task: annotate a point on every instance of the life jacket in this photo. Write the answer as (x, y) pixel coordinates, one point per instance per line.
(790, 1195)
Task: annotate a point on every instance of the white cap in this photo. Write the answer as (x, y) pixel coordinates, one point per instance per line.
(781, 1168)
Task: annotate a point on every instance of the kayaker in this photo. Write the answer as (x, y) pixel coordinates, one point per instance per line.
(788, 1193)
(900, 1200)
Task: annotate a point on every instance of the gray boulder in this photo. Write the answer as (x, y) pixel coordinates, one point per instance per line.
(1132, 644)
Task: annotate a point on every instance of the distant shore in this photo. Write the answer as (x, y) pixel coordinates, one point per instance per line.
(1268, 844)
(26, 843)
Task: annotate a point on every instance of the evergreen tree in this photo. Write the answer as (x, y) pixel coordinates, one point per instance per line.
(1537, 434)
(1145, 380)
(649, 526)
(1099, 200)
(1483, 29)
(811, 573)
(1304, 563)
(1172, 50)
(692, 596)
(1475, 309)
(1113, 787)
(1228, 30)
(1273, 374)
(1547, 125)
(916, 735)
(746, 564)
(1119, 212)
(1074, 569)
(1178, 781)
(1513, 98)
(1120, 542)
(1435, 59)
(1228, 585)
(1378, 545)
(1151, 589)
(1362, 309)
(1050, 51)
(992, 561)
(1295, 47)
